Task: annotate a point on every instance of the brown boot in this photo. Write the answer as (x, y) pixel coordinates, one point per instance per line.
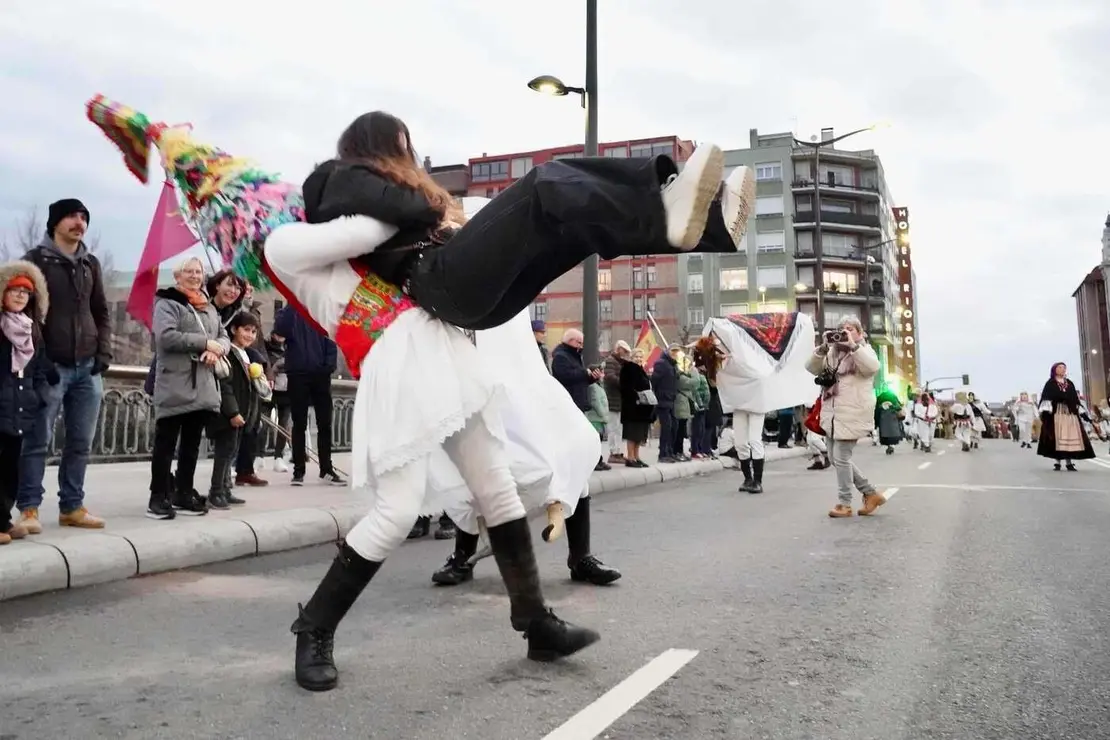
(80, 518)
(30, 521)
(840, 511)
(871, 501)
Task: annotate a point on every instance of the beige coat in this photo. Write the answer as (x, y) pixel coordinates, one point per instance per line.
(850, 414)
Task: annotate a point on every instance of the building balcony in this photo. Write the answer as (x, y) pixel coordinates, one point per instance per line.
(855, 222)
(868, 191)
(829, 154)
(836, 293)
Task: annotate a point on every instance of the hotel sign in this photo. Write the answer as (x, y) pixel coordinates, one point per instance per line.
(905, 309)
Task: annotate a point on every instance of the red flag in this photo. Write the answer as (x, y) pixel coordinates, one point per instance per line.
(646, 342)
(168, 237)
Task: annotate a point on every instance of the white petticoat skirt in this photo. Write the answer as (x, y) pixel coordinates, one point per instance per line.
(423, 380)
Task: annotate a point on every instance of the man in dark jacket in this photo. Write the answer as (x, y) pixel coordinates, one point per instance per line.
(78, 339)
(539, 331)
(310, 361)
(568, 367)
(664, 381)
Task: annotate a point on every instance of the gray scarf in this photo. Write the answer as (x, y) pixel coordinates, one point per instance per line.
(17, 328)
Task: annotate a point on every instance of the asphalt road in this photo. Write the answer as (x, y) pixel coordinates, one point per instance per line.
(975, 605)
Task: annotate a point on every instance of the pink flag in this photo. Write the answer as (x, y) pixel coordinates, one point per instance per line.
(169, 236)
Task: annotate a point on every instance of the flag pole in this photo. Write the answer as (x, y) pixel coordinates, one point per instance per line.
(657, 329)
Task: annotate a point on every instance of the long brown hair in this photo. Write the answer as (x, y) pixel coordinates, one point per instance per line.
(381, 142)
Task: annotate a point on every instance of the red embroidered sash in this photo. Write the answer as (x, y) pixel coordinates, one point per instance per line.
(374, 305)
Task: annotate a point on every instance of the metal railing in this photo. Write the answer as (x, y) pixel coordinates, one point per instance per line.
(125, 427)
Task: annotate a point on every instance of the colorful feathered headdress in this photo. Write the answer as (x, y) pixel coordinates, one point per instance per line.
(231, 204)
(709, 356)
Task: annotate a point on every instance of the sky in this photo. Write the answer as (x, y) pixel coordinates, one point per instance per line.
(996, 111)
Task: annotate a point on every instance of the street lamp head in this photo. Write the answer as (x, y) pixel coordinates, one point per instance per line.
(548, 85)
(879, 125)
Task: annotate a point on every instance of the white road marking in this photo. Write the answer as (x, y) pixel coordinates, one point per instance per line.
(1103, 463)
(924, 465)
(615, 703)
(888, 493)
(973, 488)
(941, 452)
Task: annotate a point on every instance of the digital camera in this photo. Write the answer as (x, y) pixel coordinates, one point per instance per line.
(832, 337)
(826, 378)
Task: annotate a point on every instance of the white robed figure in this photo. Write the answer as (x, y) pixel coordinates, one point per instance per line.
(961, 418)
(1025, 413)
(924, 420)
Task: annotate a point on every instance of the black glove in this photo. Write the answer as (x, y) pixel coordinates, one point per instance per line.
(99, 366)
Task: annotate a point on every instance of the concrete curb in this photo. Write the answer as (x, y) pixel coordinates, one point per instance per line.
(75, 559)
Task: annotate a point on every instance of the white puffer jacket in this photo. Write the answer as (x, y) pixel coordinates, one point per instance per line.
(850, 414)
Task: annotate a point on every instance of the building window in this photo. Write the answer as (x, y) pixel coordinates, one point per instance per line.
(652, 277)
(769, 206)
(768, 171)
(695, 317)
(695, 283)
(771, 241)
(521, 166)
(617, 152)
(539, 311)
(651, 305)
(829, 205)
(637, 277)
(604, 279)
(653, 149)
(568, 155)
(638, 307)
(772, 277)
(841, 281)
(734, 279)
(734, 309)
(498, 170)
(835, 314)
(480, 172)
(605, 309)
(772, 307)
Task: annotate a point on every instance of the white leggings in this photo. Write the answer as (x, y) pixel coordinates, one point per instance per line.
(749, 435)
(483, 464)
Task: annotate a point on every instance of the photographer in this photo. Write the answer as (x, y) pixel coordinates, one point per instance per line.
(845, 367)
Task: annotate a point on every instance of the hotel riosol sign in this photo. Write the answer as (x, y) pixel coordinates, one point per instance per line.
(905, 284)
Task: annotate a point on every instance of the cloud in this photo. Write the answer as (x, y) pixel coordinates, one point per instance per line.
(997, 106)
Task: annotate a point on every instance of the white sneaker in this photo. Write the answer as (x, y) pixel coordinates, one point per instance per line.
(687, 196)
(280, 466)
(738, 202)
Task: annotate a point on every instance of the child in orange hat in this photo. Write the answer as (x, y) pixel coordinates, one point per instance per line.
(24, 373)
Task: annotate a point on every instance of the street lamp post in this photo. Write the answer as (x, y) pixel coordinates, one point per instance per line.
(554, 86)
(818, 247)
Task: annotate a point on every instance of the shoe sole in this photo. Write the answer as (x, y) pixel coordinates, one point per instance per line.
(548, 656)
(164, 517)
(444, 581)
(707, 169)
(188, 512)
(611, 578)
(741, 186)
(327, 686)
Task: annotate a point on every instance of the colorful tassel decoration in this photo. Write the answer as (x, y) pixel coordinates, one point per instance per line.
(231, 204)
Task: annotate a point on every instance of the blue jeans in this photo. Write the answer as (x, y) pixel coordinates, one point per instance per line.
(78, 396)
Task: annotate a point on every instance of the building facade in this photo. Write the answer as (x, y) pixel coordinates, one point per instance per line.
(628, 288)
(775, 269)
(1092, 309)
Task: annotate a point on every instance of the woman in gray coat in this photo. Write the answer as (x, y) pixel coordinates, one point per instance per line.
(189, 340)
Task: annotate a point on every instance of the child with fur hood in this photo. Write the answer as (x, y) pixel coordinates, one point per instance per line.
(25, 373)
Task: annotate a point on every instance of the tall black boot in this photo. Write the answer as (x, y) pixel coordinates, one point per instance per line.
(583, 565)
(548, 636)
(421, 528)
(746, 469)
(315, 627)
(457, 570)
(757, 477)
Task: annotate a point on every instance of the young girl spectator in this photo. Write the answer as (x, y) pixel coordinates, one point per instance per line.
(24, 374)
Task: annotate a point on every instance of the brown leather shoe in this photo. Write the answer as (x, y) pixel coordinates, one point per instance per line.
(871, 501)
(250, 480)
(80, 518)
(840, 511)
(17, 531)
(30, 521)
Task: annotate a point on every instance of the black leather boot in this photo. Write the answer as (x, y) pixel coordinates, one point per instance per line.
(757, 477)
(457, 570)
(746, 469)
(315, 627)
(446, 529)
(421, 528)
(584, 567)
(548, 636)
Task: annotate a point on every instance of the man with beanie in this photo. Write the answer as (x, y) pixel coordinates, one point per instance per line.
(539, 331)
(77, 337)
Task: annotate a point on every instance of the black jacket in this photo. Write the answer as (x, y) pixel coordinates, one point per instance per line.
(307, 351)
(21, 398)
(238, 397)
(664, 381)
(78, 326)
(570, 371)
(634, 379)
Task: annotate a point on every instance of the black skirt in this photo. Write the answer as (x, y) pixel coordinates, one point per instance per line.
(636, 431)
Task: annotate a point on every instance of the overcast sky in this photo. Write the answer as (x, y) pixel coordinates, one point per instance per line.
(998, 108)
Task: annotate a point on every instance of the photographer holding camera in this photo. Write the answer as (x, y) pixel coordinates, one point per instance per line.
(845, 367)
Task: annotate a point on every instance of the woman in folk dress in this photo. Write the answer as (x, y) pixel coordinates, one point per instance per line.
(1063, 438)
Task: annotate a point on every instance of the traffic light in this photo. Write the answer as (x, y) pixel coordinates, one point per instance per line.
(967, 379)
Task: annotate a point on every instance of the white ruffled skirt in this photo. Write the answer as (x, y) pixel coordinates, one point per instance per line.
(421, 383)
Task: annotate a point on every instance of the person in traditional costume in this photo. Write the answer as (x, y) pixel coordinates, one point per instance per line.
(979, 416)
(425, 406)
(925, 420)
(888, 420)
(762, 369)
(1025, 412)
(961, 419)
(1062, 437)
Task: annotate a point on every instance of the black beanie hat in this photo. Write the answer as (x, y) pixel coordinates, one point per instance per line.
(62, 208)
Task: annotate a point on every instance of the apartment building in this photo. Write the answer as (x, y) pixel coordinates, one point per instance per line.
(1092, 308)
(628, 288)
(775, 269)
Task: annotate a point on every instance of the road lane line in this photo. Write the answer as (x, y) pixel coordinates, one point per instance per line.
(1103, 463)
(888, 493)
(941, 452)
(924, 465)
(615, 703)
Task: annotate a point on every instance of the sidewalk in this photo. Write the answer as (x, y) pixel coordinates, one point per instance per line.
(277, 517)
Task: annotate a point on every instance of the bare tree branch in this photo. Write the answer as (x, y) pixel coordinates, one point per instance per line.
(29, 231)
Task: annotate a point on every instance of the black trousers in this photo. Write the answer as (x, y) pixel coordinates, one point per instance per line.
(224, 445)
(10, 448)
(540, 228)
(281, 402)
(249, 440)
(311, 389)
(668, 431)
(189, 428)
